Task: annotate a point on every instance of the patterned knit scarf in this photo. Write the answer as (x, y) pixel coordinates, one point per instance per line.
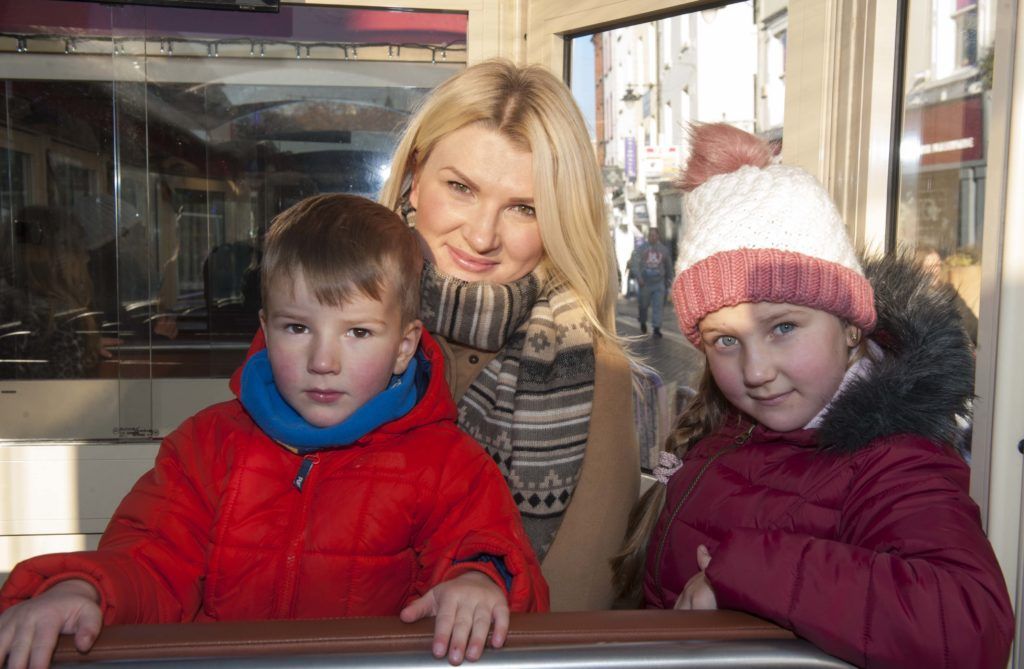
(530, 406)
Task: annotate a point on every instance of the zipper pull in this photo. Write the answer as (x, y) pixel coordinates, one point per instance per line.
(742, 439)
(304, 469)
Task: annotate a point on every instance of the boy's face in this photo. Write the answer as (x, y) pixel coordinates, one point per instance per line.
(328, 361)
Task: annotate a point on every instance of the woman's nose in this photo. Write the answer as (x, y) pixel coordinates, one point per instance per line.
(325, 357)
(481, 232)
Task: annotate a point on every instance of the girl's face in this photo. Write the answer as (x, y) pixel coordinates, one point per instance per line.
(778, 363)
(474, 207)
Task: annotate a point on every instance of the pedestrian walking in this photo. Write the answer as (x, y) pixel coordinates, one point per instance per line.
(651, 264)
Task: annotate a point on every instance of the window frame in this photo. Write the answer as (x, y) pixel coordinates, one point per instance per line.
(840, 60)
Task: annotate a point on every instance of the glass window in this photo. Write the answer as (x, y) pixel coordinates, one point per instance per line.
(15, 183)
(966, 18)
(640, 86)
(943, 143)
(164, 141)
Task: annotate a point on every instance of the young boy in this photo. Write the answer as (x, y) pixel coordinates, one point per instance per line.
(337, 484)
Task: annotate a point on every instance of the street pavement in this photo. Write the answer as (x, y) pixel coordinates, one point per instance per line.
(678, 362)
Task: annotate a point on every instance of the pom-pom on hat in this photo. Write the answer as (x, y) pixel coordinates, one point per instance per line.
(758, 232)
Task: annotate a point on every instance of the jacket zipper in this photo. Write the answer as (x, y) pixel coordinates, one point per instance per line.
(736, 443)
(285, 602)
(303, 473)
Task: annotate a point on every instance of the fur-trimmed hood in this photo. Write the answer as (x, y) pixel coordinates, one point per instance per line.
(926, 378)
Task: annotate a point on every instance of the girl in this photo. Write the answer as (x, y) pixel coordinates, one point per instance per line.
(817, 487)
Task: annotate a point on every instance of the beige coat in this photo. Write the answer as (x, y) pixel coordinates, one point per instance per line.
(576, 566)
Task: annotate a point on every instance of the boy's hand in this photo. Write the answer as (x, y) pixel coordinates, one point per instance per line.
(463, 608)
(29, 630)
(698, 595)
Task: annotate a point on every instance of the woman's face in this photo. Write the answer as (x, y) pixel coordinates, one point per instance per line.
(474, 207)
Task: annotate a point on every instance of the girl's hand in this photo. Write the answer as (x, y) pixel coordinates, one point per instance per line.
(463, 608)
(698, 595)
(29, 630)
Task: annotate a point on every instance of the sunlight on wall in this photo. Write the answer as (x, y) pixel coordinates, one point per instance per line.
(60, 496)
(40, 489)
(15, 549)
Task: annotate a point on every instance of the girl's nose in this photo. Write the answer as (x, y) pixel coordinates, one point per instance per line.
(758, 367)
(481, 233)
(325, 358)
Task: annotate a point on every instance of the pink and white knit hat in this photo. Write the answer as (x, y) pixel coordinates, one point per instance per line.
(758, 232)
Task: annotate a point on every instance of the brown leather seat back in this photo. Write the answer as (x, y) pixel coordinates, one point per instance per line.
(382, 635)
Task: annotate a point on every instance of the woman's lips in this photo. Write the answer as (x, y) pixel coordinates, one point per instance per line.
(470, 263)
(324, 396)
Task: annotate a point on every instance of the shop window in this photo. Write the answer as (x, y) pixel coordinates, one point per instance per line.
(164, 141)
(15, 183)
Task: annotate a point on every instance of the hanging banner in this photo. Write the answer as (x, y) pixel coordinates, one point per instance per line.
(631, 158)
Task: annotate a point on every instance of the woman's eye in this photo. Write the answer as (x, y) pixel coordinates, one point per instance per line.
(459, 187)
(785, 328)
(525, 210)
(295, 328)
(359, 333)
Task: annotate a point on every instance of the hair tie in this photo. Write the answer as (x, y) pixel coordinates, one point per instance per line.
(668, 464)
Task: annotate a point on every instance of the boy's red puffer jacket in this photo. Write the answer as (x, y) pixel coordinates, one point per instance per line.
(217, 530)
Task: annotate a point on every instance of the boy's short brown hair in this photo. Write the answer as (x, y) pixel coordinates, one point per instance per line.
(344, 244)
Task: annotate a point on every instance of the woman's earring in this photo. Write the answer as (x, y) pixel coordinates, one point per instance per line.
(409, 215)
(407, 211)
(405, 207)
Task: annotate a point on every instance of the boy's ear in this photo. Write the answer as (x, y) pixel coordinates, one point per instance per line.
(263, 322)
(408, 345)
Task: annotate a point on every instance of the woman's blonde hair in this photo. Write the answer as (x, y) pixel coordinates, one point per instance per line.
(533, 109)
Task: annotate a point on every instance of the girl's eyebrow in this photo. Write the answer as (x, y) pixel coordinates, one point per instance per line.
(709, 331)
(773, 315)
(783, 312)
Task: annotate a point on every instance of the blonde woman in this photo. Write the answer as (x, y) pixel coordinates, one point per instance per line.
(497, 174)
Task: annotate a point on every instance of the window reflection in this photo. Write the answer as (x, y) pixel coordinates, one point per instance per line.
(47, 328)
(943, 146)
(15, 183)
(154, 146)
